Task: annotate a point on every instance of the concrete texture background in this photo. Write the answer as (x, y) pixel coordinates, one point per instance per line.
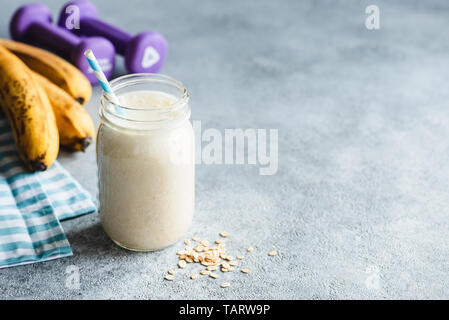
(358, 208)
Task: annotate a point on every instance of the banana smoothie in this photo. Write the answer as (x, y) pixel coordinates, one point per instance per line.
(145, 156)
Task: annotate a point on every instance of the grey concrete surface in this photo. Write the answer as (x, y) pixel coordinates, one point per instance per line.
(358, 207)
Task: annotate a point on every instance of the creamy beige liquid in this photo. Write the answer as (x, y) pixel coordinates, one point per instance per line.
(146, 178)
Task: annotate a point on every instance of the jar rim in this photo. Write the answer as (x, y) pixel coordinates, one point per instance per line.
(155, 77)
(129, 117)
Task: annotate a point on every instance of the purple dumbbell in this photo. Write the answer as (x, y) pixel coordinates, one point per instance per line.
(144, 52)
(32, 23)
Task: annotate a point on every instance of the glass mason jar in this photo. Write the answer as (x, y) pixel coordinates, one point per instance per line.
(145, 157)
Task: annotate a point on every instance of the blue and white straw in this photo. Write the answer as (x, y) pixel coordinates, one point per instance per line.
(102, 78)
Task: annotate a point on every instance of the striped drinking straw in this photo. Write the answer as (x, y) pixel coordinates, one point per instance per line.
(102, 78)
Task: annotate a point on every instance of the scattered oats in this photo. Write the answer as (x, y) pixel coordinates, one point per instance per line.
(272, 253)
(182, 264)
(225, 284)
(212, 268)
(213, 258)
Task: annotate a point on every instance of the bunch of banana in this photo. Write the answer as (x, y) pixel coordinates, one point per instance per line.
(56, 69)
(43, 106)
(29, 112)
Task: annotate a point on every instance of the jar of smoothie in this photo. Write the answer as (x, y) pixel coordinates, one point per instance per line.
(145, 157)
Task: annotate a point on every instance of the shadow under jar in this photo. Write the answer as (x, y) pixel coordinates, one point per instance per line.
(145, 157)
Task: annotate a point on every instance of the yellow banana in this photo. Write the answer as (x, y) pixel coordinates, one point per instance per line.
(29, 112)
(56, 69)
(75, 126)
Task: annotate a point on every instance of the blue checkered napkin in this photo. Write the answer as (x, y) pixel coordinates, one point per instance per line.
(32, 206)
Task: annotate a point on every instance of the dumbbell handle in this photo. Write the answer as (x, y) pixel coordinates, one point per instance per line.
(96, 27)
(47, 33)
